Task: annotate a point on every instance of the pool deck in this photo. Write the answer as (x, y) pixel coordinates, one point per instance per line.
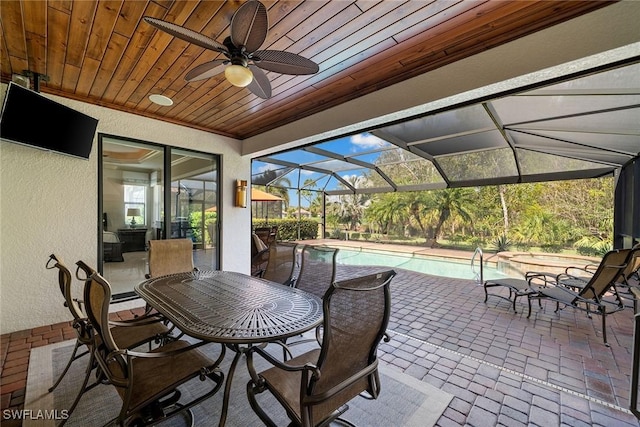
(502, 368)
(396, 248)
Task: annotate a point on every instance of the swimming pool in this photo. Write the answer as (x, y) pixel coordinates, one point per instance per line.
(438, 267)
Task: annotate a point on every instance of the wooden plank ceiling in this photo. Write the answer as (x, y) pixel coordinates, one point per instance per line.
(102, 52)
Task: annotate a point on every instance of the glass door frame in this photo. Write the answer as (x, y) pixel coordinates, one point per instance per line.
(167, 202)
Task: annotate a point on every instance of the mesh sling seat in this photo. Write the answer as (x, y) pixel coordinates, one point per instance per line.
(591, 297)
(577, 277)
(128, 335)
(282, 263)
(146, 381)
(169, 257)
(317, 269)
(317, 273)
(517, 288)
(314, 388)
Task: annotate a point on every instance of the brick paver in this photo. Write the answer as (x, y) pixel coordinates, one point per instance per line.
(502, 368)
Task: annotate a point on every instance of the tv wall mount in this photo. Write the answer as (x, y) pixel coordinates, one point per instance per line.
(37, 78)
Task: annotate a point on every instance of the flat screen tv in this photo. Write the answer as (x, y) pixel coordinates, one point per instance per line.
(31, 119)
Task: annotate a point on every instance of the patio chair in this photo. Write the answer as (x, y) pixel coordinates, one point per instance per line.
(147, 382)
(317, 269)
(314, 388)
(591, 297)
(281, 263)
(170, 256)
(135, 333)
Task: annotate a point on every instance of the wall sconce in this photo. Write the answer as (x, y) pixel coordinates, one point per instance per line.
(241, 193)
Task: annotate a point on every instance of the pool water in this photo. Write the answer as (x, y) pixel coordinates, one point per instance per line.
(438, 267)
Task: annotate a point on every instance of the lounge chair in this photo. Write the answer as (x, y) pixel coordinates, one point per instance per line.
(591, 298)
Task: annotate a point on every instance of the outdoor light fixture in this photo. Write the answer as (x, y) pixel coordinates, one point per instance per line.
(241, 193)
(238, 75)
(158, 99)
(133, 213)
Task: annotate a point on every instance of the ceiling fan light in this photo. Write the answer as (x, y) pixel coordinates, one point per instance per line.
(238, 75)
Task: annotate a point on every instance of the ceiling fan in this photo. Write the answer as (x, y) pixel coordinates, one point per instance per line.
(244, 62)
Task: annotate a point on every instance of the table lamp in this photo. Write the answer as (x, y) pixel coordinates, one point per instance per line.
(133, 213)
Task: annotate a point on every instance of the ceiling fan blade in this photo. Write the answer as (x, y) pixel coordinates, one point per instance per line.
(186, 34)
(284, 62)
(260, 85)
(249, 26)
(206, 70)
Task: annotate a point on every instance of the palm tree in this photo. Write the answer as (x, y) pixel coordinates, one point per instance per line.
(448, 203)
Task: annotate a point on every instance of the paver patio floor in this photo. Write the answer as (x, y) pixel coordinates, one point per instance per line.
(503, 369)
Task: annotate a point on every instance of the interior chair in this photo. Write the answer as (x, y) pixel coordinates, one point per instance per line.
(314, 388)
(268, 235)
(317, 269)
(111, 247)
(281, 263)
(591, 297)
(128, 335)
(146, 381)
(259, 255)
(169, 257)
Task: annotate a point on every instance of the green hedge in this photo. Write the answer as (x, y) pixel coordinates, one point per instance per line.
(288, 228)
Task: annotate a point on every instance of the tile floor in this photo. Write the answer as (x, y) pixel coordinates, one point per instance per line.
(503, 369)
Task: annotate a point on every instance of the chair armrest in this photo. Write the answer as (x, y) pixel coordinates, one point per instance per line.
(575, 271)
(130, 354)
(145, 319)
(305, 369)
(541, 276)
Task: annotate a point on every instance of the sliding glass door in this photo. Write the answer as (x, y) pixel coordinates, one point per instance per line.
(136, 206)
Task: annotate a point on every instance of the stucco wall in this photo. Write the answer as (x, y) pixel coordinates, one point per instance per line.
(48, 203)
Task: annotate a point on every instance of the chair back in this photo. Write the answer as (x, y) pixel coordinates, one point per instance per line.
(606, 274)
(64, 281)
(633, 265)
(282, 262)
(356, 316)
(317, 269)
(170, 256)
(97, 298)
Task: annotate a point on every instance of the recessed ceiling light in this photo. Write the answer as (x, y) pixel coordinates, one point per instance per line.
(160, 100)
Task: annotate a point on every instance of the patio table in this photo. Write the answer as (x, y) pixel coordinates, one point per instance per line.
(234, 309)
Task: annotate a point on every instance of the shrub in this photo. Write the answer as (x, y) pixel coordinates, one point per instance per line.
(288, 228)
(502, 243)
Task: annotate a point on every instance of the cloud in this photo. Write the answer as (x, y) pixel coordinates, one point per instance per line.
(366, 140)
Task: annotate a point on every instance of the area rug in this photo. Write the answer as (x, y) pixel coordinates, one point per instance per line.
(403, 401)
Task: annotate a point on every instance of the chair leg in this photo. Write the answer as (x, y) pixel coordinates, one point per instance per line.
(529, 301)
(83, 389)
(66, 368)
(604, 325)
